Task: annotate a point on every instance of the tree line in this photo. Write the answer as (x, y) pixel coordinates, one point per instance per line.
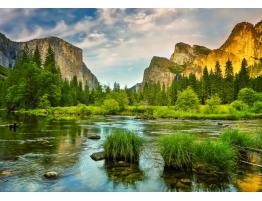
(212, 83)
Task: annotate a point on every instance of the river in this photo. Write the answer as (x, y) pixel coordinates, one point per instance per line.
(40, 145)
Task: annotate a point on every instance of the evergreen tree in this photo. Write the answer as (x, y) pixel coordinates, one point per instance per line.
(37, 57)
(243, 75)
(229, 83)
(218, 80)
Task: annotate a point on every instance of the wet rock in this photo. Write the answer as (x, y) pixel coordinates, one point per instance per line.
(94, 137)
(219, 123)
(186, 181)
(98, 156)
(7, 173)
(123, 164)
(51, 175)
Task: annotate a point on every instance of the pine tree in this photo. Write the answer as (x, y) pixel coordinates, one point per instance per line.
(229, 83)
(218, 80)
(37, 57)
(205, 85)
(243, 75)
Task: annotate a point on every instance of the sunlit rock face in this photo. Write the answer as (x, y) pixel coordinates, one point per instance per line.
(69, 58)
(186, 54)
(245, 41)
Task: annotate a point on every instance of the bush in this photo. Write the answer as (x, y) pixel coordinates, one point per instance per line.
(234, 137)
(214, 156)
(111, 106)
(247, 95)
(119, 96)
(187, 100)
(177, 150)
(257, 107)
(123, 145)
(213, 103)
(238, 106)
(44, 102)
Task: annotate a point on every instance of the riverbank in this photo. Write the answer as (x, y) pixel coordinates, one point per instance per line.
(223, 112)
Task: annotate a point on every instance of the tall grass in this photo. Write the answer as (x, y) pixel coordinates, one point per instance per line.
(123, 145)
(258, 140)
(235, 137)
(177, 150)
(214, 156)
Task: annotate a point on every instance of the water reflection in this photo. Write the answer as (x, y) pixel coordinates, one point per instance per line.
(123, 173)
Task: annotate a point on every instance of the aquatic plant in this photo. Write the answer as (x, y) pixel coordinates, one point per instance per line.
(177, 150)
(123, 145)
(214, 156)
(237, 138)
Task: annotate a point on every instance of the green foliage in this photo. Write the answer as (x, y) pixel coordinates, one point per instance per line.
(111, 106)
(228, 83)
(247, 95)
(123, 145)
(258, 140)
(44, 102)
(234, 137)
(213, 103)
(120, 97)
(187, 100)
(215, 156)
(238, 106)
(257, 107)
(177, 150)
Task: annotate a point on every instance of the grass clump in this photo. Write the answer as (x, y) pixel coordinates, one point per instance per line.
(234, 137)
(214, 156)
(177, 150)
(123, 145)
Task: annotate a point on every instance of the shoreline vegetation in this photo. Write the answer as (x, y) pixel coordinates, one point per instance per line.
(142, 112)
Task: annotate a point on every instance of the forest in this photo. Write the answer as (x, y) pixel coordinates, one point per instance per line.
(32, 84)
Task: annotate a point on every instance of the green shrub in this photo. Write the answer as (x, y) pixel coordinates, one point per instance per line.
(119, 96)
(44, 102)
(213, 103)
(214, 156)
(123, 145)
(177, 150)
(187, 100)
(234, 137)
(111, 106)
(257, 107)
(247, 95)
(238, 106)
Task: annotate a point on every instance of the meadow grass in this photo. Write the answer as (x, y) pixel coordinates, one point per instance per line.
(177, 150)
(258, 139)
(146, 112)
(214, 156)
(123, 145)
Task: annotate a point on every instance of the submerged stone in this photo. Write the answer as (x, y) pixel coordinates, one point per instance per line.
(98, 156)
(94, 137)
(51, 175)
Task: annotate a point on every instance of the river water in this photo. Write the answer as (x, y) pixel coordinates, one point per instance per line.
(40, 145)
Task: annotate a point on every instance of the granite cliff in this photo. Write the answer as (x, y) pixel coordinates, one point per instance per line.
(245, 41)
(69, 58)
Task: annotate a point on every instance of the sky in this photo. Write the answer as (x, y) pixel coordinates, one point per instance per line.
(118, 44)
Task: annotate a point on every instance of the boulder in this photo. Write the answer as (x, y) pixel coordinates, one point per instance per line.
(98, 156)
(94, 137)
(51, 175)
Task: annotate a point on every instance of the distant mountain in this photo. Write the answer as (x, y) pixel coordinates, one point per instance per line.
(245, 41)
(68, 57)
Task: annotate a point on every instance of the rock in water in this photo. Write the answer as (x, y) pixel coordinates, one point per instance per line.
(51, 175)
(94, 137)
(98, 156)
